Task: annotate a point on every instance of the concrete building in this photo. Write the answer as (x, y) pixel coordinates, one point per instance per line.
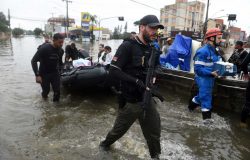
(183, 15)
(234, 33)
(58, 24)
(215, 23)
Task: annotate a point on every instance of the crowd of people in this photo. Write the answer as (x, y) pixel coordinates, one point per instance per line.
(129, 65)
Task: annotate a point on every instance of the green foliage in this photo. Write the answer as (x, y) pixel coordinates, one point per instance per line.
(29, 32)
(137, 23)
(37, 31)
(17, 31)
(3, 23)
(116, 33)
(125, 35)
(126, 27)
(93, 22)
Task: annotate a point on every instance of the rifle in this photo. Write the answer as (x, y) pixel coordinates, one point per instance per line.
(149, 85)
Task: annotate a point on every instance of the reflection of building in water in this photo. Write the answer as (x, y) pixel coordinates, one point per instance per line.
(58, 24)
(182, 15)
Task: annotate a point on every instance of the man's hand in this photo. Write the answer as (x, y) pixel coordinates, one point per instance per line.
(38, 79)
(215, 73)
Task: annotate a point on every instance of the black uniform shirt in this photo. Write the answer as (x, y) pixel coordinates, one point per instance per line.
(50, 59)
(71, 52)
(131, 59)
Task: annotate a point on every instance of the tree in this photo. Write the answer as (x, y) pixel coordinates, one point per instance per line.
(17, 31)
(37, 31)
(126, 27)
(137, 23)
(3, 23)
(120, 29)
(116, 33)
(93, 22)
(29, 32)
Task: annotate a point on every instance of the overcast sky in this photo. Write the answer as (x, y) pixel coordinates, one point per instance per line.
(42, 9)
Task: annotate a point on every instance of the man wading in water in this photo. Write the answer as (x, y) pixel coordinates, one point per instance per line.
(129, 65)
(50, 58)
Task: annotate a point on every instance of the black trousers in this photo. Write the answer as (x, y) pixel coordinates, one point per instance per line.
(54, 80)
(246, 109)
(150, 124)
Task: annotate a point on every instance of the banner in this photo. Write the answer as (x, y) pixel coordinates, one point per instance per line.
(85, 19)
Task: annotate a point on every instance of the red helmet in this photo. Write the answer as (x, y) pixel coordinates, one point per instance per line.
(213, 32)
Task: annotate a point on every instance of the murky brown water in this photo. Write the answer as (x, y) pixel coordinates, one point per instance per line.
(31, 128)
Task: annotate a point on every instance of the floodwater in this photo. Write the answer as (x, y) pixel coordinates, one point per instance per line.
(31, 128)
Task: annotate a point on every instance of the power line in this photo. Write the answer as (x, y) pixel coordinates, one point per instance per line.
(28, 19)
(157, 9)
(145, 5)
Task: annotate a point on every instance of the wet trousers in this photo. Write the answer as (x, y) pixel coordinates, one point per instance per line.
(54, 80)
(204, 97)
(246, 109)
(150, 124)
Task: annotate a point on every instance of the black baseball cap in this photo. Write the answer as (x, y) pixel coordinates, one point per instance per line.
(239, 43)
(151, 21)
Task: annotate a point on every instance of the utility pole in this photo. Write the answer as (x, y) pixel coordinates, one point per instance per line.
(67, 16)
(205, 24)
(53, 23)
(9, 17)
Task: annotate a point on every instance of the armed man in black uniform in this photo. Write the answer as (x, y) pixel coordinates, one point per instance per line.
(50, 58)
(129, 65)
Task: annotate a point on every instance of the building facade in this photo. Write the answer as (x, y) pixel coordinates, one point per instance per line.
(215, 23)
(58, 24)
(183, 16)
(235, 33)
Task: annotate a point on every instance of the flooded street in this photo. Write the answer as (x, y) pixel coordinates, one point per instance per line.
(31, 128)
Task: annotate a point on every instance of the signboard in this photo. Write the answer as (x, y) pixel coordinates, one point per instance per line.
(85, 23)
(85, 17)
(232, 17)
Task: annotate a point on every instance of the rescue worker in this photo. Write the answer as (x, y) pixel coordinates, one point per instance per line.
(238, 58)
(50, 57)
(129, 65)
(166, 46)
(246, 109)
(204, 75)
(71, 52)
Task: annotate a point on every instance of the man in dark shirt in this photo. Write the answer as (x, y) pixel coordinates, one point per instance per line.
(129, 66)
(50, 58)
(71, 52)
(239, 58)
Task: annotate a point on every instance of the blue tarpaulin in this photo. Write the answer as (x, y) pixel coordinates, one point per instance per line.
(179, 53)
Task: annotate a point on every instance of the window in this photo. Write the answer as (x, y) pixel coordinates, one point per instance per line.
(166, 20)
(174, 20)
